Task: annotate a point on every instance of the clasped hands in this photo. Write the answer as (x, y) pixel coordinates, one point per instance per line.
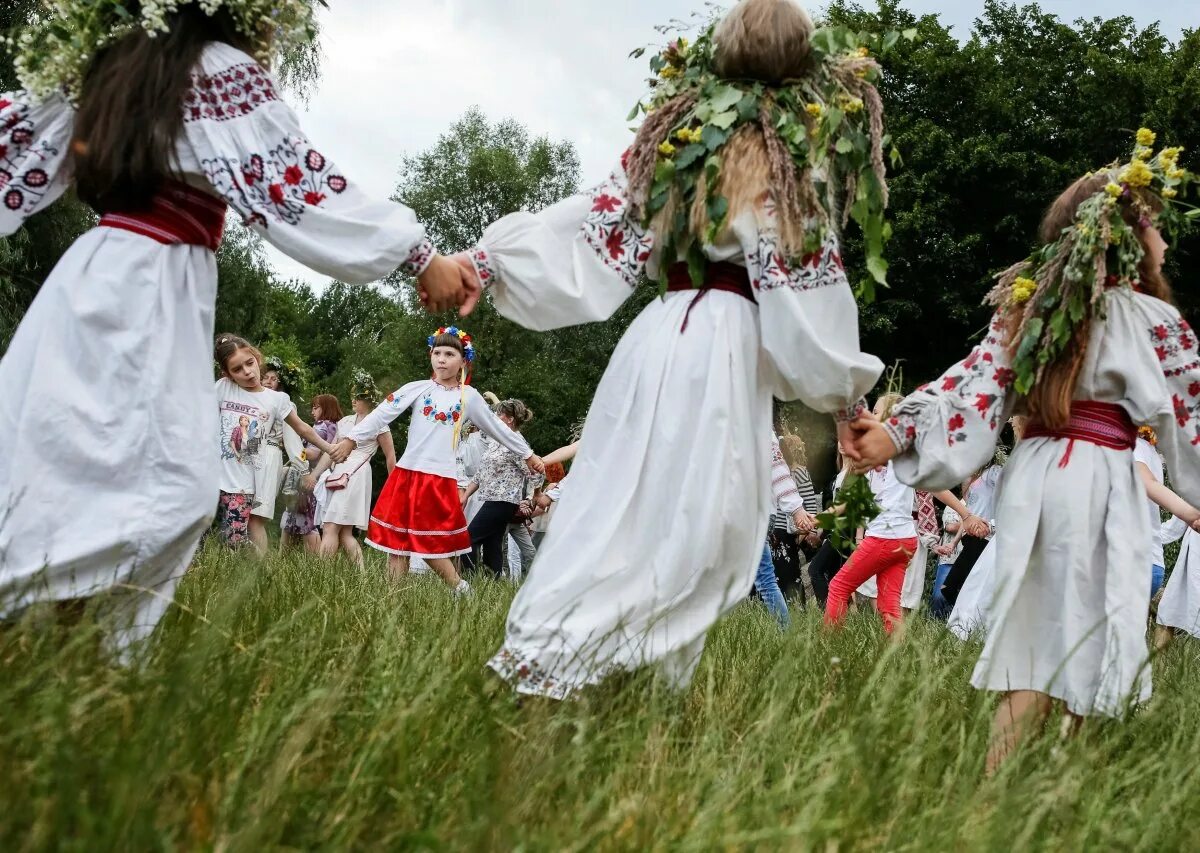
(450, 282)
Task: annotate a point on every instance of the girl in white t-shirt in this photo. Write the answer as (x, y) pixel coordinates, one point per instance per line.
(419, 513)
(248, 413)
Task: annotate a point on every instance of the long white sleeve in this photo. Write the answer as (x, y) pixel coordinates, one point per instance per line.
(481, 414)
(947, 430)
(783, 485)
(252, 151)
(35, 138)
(380, 419)
(1172, 530)
(575, 262)
(809, 321)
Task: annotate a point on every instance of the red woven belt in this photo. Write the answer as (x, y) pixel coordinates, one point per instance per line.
(719, 275)
(1104, 424)
(177, 215)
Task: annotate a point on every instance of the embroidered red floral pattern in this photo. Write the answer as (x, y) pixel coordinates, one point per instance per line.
(1176, 347)
(277, 186)
(620, 242)
(769, 269)
(236, 91)
(970, 392)
(418, 259)
(25, 161)
(484, 266)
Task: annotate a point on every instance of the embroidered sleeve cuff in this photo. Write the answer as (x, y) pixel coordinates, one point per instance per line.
(418, 259)
(902, 430)
(484, 266)
(844, 416)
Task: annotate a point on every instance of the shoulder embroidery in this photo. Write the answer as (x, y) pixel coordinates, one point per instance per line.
(237, 91)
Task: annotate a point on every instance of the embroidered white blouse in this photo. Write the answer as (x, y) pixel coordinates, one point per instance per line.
(435, 411)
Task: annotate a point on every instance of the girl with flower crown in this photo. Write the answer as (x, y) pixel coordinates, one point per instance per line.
(281, 440)
(731, 196)
(1086, 342)
(162, 116)
(419, 513)
(348, 507)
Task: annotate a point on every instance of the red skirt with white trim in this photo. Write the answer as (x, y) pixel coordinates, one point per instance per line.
(419, 515)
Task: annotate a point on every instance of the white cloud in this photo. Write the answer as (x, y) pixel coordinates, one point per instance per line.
(397, 73)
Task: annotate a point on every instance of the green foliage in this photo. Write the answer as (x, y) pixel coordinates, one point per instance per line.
(992, 129)
(303, 705)
(852, 510)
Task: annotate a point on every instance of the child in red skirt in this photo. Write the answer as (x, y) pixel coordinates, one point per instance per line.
(419, 513)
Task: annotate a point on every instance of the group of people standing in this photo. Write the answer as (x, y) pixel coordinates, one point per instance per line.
(759, 142)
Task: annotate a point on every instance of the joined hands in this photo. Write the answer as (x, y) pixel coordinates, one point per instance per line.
(450, 282)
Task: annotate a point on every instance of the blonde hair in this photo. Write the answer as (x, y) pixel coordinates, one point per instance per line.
(795, 454)
(886, 403)
(767, 40)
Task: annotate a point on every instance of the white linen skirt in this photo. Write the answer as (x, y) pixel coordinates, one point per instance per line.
(1071, 597)
(110, 470)
(1180, 603)
(664, 523)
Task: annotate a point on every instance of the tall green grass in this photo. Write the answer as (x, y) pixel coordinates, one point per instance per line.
(300, 704)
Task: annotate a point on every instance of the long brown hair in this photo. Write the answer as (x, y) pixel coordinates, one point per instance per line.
(331, 409)
(226, 345)
(131, 108)
(1049, 400)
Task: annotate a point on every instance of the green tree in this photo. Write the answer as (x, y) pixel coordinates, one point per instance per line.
(991, 130)
(474, 174)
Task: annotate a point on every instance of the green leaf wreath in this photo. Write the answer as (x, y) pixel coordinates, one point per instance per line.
(853, 508)
(1059, 288)
(824, 131)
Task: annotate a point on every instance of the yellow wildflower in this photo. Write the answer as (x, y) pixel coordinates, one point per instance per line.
(852, 105)
(1022, 289)
(1137, 174)
(1113, 190)
(1143, 153)
(669, 72)
(666, 149)
(1170, 192)
(862, 53)
(1176, 174)
(1146, 136)
(682, 46)
(814, 110)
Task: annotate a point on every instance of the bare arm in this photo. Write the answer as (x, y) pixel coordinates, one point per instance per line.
(388, 446)
(1166, 498)
(311, 435)
(563, 454)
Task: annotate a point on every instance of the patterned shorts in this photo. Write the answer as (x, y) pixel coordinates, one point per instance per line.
(233, 518)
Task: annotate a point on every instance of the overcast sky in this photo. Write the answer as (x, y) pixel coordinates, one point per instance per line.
(398, 72)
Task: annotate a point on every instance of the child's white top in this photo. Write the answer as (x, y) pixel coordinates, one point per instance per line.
(435, 411)
(1145, 453)
(981, 494)
(895, 499)
(247, 420)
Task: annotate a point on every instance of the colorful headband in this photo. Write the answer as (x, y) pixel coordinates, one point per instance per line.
(468, 347)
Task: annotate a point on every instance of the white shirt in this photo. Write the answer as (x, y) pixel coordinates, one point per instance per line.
(1145, 453)
(895, 499)
(435, 411)
(247, 419)
(981, 495)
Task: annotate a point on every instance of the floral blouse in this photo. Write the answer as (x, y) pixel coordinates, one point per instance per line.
(503, 475)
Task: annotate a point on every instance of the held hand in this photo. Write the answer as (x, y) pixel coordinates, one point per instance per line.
(543, 502)
(813, 539)
(978, 528)
(1195, 523)
(341, 451)
(472, 286)
(309, 483)
(804, 521)
(441, 285)
(942, 550)
(536, 465)
(873, 444)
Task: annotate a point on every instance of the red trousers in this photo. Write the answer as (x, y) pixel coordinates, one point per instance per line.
(886, 558)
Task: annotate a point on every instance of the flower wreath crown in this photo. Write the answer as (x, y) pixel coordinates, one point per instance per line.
(468, 347)
(53, 55)
(1059, 288)
(291, 375)
(824, 133)
(362, 386)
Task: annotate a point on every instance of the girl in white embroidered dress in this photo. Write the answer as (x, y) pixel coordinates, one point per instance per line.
(670, 496)
(1069, 615)
(419, 512)
(134, 297)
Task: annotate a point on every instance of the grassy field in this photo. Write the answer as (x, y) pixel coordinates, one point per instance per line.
(297, 704)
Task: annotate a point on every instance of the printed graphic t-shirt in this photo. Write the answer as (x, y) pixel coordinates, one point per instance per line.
(246, 421)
